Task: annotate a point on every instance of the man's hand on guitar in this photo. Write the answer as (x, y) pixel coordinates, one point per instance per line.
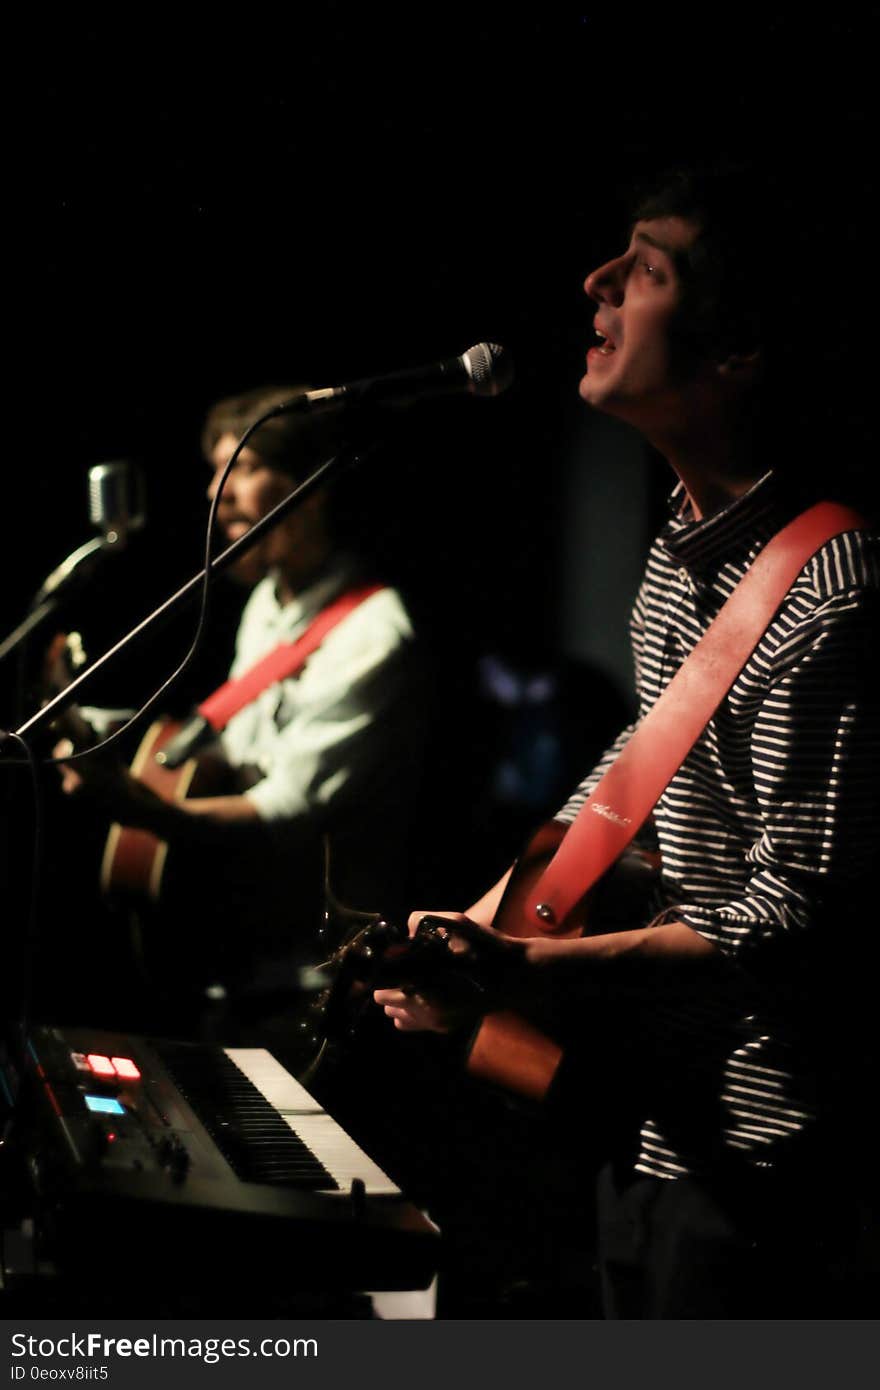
(416, 1013)
(498, 962)
(107, 786)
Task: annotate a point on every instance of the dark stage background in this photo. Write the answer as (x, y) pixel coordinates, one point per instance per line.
(319, 195)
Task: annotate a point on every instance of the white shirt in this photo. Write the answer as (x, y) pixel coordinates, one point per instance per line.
(338, 742)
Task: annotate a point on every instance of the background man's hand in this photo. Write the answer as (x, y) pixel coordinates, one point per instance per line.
(108, 787)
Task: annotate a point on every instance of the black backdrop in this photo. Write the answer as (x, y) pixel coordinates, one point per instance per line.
(317, 195)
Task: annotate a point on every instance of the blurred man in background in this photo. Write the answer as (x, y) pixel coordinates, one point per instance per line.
(328, 755)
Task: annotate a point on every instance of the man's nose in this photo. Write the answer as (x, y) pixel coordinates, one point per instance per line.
(215, 483)
(606, 284)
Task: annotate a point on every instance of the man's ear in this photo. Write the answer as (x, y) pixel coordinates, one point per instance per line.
(741, 368)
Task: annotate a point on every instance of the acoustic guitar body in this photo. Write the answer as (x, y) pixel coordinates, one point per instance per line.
(195, 914)
(183, 915)
(177, 915)
(134, 860)
(509, 1050)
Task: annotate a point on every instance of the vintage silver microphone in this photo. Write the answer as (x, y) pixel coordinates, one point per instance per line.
(116, 499)
(116, 506)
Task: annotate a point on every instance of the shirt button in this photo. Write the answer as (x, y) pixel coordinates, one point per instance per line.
(683, 575)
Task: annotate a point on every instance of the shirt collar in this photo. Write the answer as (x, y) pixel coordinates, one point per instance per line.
(700, 545)
(306, 605)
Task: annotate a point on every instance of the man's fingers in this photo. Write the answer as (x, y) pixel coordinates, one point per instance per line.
(407, 1023)
(416, 917)
(410, 1012)
(390, 996)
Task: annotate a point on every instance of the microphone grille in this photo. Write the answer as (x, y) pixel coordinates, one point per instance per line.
(490, 368)
(116, 497)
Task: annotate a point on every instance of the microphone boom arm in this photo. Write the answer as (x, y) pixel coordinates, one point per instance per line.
(78, 565)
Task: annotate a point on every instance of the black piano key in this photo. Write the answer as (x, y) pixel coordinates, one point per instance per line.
(256, 1142)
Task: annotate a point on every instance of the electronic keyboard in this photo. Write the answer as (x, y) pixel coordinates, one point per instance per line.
(210, 1163)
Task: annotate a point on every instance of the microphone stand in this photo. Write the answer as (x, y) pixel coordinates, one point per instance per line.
(190, 589)
(72, 571)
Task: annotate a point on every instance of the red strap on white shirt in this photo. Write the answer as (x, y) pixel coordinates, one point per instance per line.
(287, 659)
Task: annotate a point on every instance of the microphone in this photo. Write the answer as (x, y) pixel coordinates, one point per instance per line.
(116, 505)
(116, 499)
(485, 369)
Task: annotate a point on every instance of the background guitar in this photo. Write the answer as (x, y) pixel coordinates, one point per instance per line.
(188, 919)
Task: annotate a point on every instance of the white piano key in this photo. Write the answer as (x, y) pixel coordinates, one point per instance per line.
(279, 1088)
(407, 1304)
(327, 1140)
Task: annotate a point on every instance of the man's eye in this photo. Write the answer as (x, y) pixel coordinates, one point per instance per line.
(654, 271)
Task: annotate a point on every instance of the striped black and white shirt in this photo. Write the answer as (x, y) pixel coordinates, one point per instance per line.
(767, 830)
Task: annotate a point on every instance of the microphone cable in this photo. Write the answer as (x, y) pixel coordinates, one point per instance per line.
(31, 928)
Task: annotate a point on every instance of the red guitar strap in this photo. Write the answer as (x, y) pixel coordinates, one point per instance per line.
(287, 659)
(629, 790)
